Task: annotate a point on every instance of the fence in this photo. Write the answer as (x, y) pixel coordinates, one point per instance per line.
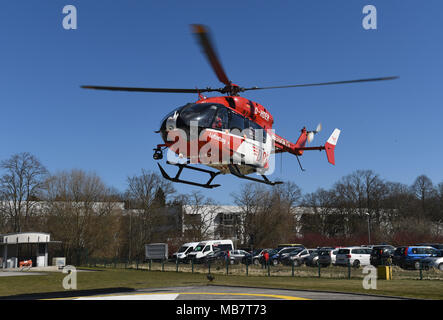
(223, 267)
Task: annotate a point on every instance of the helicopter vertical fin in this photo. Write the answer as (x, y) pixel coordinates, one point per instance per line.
(302, 140)
(330, 146)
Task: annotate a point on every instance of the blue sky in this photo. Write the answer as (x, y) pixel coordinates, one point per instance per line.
(392, 127)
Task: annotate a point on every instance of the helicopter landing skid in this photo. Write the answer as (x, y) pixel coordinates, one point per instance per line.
(182, 166)
(236, 172)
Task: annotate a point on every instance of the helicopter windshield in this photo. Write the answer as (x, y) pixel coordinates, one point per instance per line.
(170, 114)
(202, 112)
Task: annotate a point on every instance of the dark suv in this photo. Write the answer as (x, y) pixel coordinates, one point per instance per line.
(382, 255)
(283, 254)
(411, 257)
(216, 256)
(399, 255)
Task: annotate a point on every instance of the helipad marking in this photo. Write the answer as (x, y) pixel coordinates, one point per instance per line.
(174, 295)
(251, 294)
(154, 296)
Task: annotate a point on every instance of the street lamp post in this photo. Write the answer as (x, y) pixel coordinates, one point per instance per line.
(369, 229)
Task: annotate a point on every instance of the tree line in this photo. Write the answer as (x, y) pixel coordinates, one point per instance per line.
(92, 219)
(89, 218)
(358, 206)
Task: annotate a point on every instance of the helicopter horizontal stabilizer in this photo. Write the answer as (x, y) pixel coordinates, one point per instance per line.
(330, 146)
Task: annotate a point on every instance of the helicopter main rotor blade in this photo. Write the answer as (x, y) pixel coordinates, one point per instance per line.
(321, 83)
(166, 90)
(203, 36)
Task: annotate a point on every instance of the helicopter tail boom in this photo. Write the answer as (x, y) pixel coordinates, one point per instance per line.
(299, 147)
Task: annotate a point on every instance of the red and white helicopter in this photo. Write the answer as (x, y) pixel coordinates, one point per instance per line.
(231, 134)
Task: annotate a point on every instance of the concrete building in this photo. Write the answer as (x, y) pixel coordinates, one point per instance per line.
(213, 219)
(16, 247)
(226, 221)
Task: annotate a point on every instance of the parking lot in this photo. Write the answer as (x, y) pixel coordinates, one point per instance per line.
(220, 267)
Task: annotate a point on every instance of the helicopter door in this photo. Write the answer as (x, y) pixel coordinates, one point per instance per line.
(236, 123)
(258, 149)
(237, 143)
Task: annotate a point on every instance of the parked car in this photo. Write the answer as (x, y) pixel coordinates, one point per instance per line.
(215, 256)
(312, 259)
(382, 255)
(398, 255)
(326, 256)
(286, 259)
(236, 256)
(296, 257)
(434, 261)
(254, 257)
(355, 256)
(412, 256)
(282, 254)
(250, 257)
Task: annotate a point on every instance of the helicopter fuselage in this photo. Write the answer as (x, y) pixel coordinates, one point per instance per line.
(219, 131)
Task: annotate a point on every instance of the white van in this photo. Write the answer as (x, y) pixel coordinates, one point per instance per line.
(355, 256)
(206, 247)
(184, 250)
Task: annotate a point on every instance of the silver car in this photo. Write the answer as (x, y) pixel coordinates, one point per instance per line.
(237, 255)
(435, 261)
(298, 257)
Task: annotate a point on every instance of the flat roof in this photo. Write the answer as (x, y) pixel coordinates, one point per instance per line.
(26, 237)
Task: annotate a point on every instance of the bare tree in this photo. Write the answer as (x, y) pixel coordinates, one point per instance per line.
(359, 193)
(146, 194)
(284, 198)
(200, 213)
(20, 186)
(424, 190)
(80, 212)
(439, 212)
(267, 213)
(328, 220)
(247, 199)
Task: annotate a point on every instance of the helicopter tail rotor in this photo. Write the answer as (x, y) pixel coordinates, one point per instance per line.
(311, 134)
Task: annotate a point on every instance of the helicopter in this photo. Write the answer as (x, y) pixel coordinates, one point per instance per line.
(228, 133)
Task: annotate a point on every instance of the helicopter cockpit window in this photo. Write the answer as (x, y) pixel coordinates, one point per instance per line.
(248, 130)
(201, 112)
(221, 119)
(257, 132)
(170, 114)
(236, 123)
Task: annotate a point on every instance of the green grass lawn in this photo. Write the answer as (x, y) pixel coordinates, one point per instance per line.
(137, 279)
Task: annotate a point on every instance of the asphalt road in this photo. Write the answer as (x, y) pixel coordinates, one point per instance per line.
(227, 293)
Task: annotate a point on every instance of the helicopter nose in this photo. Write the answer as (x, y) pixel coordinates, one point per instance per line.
(171, 122)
